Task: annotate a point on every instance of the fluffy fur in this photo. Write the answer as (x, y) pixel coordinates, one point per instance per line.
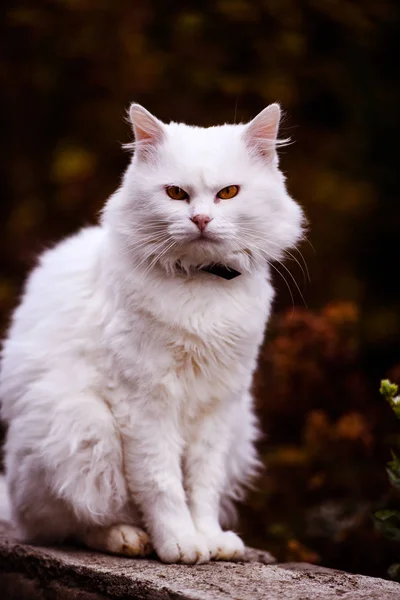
(126, 374)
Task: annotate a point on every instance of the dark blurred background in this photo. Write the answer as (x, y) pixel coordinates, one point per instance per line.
(70, 68)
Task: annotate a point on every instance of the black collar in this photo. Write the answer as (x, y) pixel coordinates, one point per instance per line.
(221, 271)
(214, 269)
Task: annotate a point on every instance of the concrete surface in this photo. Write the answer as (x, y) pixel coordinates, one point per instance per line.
(37, 573)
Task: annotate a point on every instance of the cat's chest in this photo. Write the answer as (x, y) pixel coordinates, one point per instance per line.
(210, 342)
(196, 344)
(208, 347)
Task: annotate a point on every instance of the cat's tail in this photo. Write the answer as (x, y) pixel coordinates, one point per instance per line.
(5, 504)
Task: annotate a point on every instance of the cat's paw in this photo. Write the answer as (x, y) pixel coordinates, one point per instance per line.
(119, 539)
(189, 550)
(225, 545)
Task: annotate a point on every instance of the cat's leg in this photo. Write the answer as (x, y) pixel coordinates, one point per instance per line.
(243, 464)
(208, 479)
(152, 454)
(65, 474)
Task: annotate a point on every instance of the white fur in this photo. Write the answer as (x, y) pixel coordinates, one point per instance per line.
(5, 507)
(125, 379)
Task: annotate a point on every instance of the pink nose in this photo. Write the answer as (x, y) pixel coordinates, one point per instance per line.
(201, 221)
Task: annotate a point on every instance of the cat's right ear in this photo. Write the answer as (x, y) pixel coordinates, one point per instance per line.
(149, 132)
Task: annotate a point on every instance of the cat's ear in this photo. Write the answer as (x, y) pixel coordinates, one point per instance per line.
(149, 132)
(261, 134)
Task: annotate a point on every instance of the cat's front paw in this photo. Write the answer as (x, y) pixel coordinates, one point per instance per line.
(225, 545)
(189, 550)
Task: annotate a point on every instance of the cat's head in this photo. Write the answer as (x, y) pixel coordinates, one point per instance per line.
(193, 196)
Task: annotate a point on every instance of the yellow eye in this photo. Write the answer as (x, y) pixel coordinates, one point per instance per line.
(228, 192)
(176, 193)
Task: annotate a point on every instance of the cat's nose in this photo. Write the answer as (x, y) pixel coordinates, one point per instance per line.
(201, 221)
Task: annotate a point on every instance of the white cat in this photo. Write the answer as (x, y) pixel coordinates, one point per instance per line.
(126, 374)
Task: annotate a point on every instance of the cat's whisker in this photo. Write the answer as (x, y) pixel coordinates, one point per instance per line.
(144, 240)
(284, 279)
(149, 228)
(148, 256)
(161, 254)
(147, 224)
(134, 247)
(142, 233)
(292, 277)
(305, 271)
(262, 253)
(305, 238)
(281, 274)
(288, 271)
(157, 258)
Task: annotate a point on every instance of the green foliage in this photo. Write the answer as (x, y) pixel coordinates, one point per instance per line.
(388, 521)
(394, 571)
(389, 392)
(393, 471)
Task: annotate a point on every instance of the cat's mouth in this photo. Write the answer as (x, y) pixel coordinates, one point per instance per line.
(205, 238)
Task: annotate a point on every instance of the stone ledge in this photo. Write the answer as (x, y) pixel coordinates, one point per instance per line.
(37, 573)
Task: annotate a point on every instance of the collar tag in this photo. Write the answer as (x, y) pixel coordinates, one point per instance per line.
(221, 271)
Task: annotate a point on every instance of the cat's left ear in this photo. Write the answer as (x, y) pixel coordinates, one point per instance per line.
(261, 134)
(149, 132)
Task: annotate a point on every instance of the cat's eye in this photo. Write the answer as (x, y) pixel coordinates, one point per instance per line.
(176, 193)
(228, 192)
